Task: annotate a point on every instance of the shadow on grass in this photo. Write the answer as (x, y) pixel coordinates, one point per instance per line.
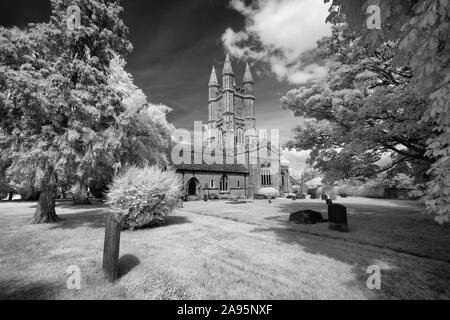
(402, 229)
(175, 220)
(126, 264)
(405, 231)
(15, 290)
(239, 202)
(169, 221)
(90, 219)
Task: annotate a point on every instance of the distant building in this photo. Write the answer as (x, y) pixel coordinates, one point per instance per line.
(232, 126)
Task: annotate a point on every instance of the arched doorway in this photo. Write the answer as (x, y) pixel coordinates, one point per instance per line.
(192, 187)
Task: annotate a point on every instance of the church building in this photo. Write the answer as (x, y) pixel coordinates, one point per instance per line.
(255, 162)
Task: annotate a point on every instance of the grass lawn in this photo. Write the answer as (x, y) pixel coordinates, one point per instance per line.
(219, 250)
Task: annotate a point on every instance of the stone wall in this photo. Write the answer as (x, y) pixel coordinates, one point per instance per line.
(237, 184)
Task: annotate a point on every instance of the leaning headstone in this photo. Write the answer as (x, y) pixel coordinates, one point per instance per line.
(111, 248)
(337, 217)
(306, 217)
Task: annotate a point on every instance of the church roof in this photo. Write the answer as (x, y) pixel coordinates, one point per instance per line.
(227, 68)
(248, 78)
(213, 80)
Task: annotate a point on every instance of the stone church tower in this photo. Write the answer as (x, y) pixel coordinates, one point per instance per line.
(231, 109)
(254, 163)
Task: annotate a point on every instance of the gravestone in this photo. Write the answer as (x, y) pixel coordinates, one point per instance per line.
(329, 202)
(337, 218)
(111, 248)
(324, 197)
(306, 217)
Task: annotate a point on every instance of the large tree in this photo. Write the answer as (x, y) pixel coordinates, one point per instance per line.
(58, 114)
(420, 33)
(145, 132)
(360, 112)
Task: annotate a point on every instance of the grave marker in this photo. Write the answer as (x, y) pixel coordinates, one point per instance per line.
(111, 248)
(337, 217)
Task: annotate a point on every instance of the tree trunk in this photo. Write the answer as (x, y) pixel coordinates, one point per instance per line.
(45, 211)
(10, 196)
(81, 195)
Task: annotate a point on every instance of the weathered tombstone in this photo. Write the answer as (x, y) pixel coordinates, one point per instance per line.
(205, 197)
(337, 218)
(329, 202)
(111, 248)
(324, 197)
(306, 217)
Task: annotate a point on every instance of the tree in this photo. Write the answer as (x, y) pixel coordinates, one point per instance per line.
(57, 111)
(420, 32)
(145, 132)
(362, 110)
(5, 188)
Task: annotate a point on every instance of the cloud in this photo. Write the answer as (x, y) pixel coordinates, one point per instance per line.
(297, 160)
(279, 33)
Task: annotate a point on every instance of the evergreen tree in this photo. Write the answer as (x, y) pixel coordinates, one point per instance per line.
(58, 114)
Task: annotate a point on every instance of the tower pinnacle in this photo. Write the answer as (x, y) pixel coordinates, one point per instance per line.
(248, 78)
(227, 68)
(213, 82)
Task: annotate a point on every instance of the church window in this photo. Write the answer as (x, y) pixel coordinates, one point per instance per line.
(220, 137)
(266, 176)
(224, 183)
(240, 136)
(212, 184)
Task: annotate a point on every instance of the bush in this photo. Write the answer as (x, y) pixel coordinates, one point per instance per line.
(214, 196)
(296, 189)
(269, 193)
(143, 197)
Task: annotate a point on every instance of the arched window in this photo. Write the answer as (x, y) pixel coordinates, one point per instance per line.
(220, 137)
(240, 136)
(224, 183)
(266, 176)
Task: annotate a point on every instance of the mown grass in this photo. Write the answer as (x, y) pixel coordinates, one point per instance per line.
(219, 250)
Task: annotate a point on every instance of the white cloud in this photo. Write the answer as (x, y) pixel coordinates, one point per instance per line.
(278, 32)
(297, 160)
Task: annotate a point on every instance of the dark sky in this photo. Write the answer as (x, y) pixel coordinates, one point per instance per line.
(175, 45)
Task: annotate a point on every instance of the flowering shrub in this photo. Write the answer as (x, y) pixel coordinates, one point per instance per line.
(144, 196)
(269, 193)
